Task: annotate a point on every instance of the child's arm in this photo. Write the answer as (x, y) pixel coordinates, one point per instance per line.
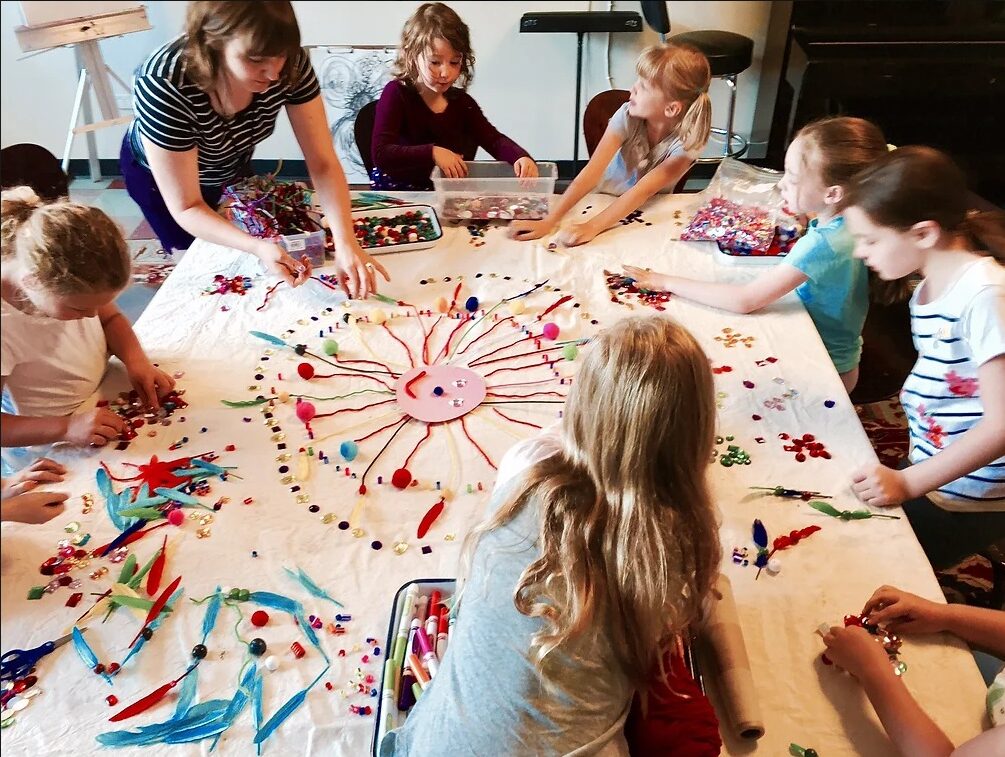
(666, 174)
(33, 507)
(93, 427)
(151, 382)
(387, 147)
(983, 443)
(582, 185)
(498, 145)
(767, 288)
(908, 726)
(903, 612)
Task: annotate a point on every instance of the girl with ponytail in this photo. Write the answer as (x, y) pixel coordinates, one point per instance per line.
(649, 144)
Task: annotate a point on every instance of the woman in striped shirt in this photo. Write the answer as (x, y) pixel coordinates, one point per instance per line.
(203, 101)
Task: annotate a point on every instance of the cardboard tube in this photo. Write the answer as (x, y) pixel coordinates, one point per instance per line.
(731, 668)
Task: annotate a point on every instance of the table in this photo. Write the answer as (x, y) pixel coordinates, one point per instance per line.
(821, 580)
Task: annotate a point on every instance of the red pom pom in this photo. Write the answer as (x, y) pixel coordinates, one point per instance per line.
(306, 371)
(259, 618)
(550, 331)
(401, 478)
(306, 411)
(176, 517)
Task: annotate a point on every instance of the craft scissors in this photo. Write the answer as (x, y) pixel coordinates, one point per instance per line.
(17, 662)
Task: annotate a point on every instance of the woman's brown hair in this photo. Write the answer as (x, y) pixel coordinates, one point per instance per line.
(430, 22)
(268, 26)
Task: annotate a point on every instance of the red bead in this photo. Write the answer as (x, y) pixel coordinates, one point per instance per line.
(113, 668)
(65, 580)
(306, 371)
(230, 448)
(259, 618)
(297, 649)
(401, 478)
(74, 599)
(99, 668)
(328, 685)
(112, 700)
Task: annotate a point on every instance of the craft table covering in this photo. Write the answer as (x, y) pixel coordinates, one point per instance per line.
(821, 580)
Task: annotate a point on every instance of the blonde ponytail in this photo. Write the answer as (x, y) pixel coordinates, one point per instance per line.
(696, 125)
(16, 207)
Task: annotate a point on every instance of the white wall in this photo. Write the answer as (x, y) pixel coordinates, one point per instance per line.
(524, 82)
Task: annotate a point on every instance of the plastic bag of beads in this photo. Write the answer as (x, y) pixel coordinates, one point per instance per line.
(741, 209)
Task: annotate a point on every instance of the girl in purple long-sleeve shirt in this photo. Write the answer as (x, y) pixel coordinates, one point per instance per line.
(423, 120)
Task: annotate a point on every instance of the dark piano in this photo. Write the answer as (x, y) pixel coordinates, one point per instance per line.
(926, 72)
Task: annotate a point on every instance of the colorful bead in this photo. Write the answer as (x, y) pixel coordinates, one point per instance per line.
(257, 647)
(259, 618)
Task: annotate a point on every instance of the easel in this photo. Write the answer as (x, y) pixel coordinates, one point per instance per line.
(95, 75)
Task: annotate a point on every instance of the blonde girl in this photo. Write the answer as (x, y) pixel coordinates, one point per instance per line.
(601, 547)
(63, 266)
(649, 144)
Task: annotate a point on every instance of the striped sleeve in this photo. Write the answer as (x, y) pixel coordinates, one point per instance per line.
(163, 113)
(304, 86)
(984, 324)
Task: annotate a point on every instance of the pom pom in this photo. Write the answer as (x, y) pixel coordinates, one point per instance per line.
(570, 352)
(516, 307)
(306, 411)
(471, 304)
(550, 331)
(284, 397)
(259, 618)
(378, 316)
(348, 449)
(176, 517)
(306, 371)
(330, 347)
(401, 478)
(442, 306)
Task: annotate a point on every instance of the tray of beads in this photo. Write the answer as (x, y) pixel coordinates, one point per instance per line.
(399, 229)
(491, 191)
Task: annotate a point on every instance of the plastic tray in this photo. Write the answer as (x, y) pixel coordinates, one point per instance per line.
(311, 244)
(492, 191)
(726, 258)
(397, 210)
(446, 587)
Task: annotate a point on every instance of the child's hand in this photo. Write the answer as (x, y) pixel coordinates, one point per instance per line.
(150, 381)
(450, 163)
(524, 231)
(880, 486)
(42, 471)
(646, 279)
(903, 612)
(94, 428)
(33, 507)
(358, 269)
(856, 650)
(577, 234)
(525, 168)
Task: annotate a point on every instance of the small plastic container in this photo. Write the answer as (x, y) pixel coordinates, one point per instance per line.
(491, 191)
(393, 213)
(311, 244)
(424, 586)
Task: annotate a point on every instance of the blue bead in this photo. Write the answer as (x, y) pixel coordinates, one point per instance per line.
(438, 391)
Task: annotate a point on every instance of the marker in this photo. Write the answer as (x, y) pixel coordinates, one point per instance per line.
(406, 697)
(416, 691)
(415, 664)
(422, 608)
(404, 618)
(434, 603)
(428, 655)
(388, 695)
(433, 621)
(441, 636)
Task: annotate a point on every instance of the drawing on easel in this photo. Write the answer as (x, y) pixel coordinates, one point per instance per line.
(350, 78)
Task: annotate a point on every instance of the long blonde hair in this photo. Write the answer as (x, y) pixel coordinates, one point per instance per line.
(68, 248)
(432, 21)
(682, 73)
(628, 532)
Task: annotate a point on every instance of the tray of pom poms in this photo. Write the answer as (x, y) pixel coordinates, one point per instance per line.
(399, 229)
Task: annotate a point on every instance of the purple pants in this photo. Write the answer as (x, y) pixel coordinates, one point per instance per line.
(143, 189)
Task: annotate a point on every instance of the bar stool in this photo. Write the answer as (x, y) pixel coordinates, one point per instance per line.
(728, 55)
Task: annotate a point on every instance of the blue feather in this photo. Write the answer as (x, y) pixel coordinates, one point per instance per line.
(287, 709)
(276, 602)
(212, 610)
(177, 496)
(238, 702)
(269, 338)
(124, 535)
(211, 467)
(86, 653)
(308, 583)
(760, 535)
(192, 727)
(154, 625)
(187, 694)
(256, 707)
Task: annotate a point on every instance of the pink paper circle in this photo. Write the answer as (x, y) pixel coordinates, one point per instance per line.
(463, 391)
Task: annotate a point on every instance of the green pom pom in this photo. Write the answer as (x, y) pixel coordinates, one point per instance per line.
(330, 347)
(570, 352)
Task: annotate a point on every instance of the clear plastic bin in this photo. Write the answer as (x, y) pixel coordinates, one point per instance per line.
(492, 191)
(311, 244)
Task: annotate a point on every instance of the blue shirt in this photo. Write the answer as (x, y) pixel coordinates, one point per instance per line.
(837, 292)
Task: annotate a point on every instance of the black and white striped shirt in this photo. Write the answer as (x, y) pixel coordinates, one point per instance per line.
(173, 113)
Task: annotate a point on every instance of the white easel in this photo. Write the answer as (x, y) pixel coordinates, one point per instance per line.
(95, 75)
